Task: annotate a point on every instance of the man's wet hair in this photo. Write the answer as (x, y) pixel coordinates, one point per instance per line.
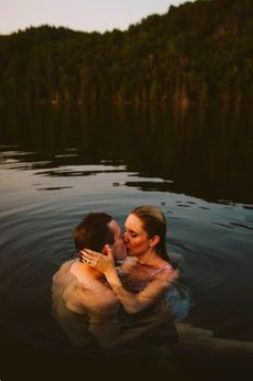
(93, 232)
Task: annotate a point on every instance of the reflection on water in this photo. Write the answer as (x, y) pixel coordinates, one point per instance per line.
(203, 152)
(58, 164)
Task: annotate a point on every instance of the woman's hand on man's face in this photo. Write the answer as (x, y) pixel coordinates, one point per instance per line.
(99, 261)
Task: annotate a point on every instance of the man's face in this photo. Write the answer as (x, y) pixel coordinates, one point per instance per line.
(118, 248)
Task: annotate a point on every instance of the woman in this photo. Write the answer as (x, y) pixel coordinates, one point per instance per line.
(147, 273)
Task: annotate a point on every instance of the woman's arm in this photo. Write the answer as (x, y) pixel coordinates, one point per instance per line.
(131, 302)
(134, 303)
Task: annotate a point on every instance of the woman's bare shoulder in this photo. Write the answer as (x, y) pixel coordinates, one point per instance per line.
(166, 273)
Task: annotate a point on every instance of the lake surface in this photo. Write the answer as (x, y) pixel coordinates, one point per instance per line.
(58, 164)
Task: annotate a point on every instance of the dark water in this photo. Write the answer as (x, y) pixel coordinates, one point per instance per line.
(57, 164)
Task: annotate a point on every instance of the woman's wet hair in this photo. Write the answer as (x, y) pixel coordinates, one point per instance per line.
(154, 223)
(93, 232)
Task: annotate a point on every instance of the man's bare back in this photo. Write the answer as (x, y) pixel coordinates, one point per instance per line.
(83, 304)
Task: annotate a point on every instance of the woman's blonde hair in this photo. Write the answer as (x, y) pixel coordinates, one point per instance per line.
(154, 223)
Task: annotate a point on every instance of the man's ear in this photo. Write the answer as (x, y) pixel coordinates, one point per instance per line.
(154, 241)
(107, 250)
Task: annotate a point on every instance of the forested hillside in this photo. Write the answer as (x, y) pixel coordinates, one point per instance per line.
(200, 52)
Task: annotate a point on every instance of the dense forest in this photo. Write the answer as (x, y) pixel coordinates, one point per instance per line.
(200, 52)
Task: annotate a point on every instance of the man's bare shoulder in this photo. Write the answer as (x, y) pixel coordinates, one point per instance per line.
(80, 291)
(75, 298)
(61, 275)
(91, 297)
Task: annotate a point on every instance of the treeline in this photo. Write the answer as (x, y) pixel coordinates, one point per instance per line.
(199, 52)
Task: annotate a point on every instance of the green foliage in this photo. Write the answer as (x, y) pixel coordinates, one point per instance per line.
(199, 52)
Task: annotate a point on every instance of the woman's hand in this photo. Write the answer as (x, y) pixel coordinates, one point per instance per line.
(101, 262)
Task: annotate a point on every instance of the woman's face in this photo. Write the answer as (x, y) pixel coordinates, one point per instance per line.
(135, 237)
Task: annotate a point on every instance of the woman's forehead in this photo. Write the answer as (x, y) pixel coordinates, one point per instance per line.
(134, 223)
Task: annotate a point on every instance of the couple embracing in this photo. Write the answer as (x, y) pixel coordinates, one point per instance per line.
(111, 299)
